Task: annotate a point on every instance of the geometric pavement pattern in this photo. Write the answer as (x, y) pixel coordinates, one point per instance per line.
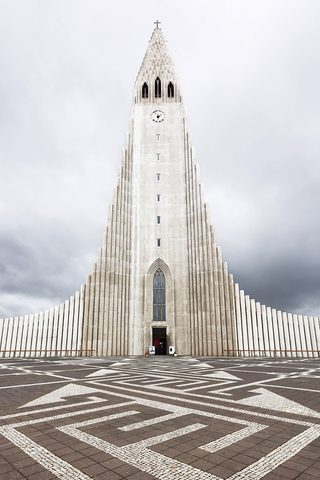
(159, 417)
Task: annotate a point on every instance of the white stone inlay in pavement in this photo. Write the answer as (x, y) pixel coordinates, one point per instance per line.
(105, 418)
(70, 414)
(277, 457)
(223, 375)
(140, 456)
(60, 394)
(48, 460)
(214, 405)
(203, 365)
(51, 409)
(231, 438)
(102, 372)
(273, 401)
(152, 421)
(117, 364)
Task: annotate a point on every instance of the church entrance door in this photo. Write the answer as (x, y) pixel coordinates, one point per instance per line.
(159, 340)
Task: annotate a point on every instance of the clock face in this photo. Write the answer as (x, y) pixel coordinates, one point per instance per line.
(158, 116)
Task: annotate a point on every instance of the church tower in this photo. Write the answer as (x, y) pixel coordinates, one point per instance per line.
(159, 278)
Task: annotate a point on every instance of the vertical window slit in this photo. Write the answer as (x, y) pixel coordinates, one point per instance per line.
(145, 90)
(159, 296)
(170, 90)
(157, 88)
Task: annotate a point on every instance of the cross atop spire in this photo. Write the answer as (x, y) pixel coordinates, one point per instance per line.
(157, 23)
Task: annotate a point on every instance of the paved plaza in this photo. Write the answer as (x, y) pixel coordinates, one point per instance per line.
(167, 418)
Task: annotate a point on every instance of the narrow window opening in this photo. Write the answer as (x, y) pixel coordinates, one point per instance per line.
(159, 296)
(159, 242)
(145, 90)
(157, 88)
(170, 90)
(158, 197)
(158, 219)
(158, 156)
(158, 177)
(158, 137)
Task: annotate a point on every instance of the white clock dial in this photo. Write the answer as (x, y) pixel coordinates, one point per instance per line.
(158, 116)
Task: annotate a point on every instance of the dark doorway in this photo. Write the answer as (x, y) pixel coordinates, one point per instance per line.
(159, 340)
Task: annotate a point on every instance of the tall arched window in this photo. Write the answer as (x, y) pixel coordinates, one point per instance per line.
(159, 296)
(170, 90)
(144, 90)
(157, 87)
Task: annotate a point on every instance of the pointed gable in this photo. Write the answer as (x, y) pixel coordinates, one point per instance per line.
(157, 64)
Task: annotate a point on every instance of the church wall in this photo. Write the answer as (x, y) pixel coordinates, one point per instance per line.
(259, 330)
(172, 229)
(211, 295)
(106, 304)
(262, 331)
(53, 333)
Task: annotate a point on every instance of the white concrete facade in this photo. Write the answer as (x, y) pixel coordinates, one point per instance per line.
(159, 222)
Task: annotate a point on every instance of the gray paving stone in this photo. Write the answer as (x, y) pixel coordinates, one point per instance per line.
(12, 475)
(305, 476)
(140, 421)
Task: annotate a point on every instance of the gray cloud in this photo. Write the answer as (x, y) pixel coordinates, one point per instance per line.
(250, 73)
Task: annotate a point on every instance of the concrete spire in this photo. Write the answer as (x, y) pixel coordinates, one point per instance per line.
(157, 63)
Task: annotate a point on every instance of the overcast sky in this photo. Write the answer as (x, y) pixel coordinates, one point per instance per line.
(250, 74)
